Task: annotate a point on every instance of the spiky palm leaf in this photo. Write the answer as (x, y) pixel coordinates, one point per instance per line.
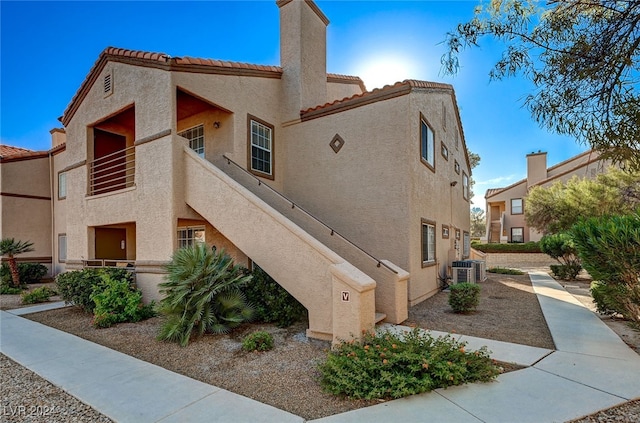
(201, 294)
(10, 247)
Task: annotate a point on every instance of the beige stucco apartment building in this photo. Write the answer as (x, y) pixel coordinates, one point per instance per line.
(505, 206)
(355, 201)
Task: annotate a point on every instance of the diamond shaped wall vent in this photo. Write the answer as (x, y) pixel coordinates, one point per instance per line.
(336, 143)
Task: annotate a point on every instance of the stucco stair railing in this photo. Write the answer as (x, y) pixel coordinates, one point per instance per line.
(391, 280)
(339, 298)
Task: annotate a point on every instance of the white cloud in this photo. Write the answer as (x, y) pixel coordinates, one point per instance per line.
(500, 181)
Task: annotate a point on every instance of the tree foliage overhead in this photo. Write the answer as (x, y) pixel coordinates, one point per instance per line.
(556, 208)
(583, 57)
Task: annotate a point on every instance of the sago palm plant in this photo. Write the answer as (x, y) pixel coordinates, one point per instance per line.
(10, 247)
(202, 294)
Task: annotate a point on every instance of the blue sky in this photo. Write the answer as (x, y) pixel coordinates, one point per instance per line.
(47, 49)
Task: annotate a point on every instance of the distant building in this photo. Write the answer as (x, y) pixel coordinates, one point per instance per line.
(505, 206)
(273, 163)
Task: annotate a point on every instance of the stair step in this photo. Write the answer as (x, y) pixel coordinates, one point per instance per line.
(380, 317)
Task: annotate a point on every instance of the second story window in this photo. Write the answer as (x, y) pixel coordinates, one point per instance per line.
(62, 185)
(465, 186)
(196, 139)
(516, 206)
(261, 147)
(427, 144)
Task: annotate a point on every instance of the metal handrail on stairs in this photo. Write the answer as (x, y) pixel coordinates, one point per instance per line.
(333, 232)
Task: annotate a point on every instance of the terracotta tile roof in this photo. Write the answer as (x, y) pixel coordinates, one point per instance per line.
(8, 150)
(187, 64)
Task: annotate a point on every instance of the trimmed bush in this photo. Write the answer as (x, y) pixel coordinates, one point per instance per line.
(389, 365)
(258, 341)
(29, 272)
(117, 301)
(562, 248)
(517, 247)
(76, 287)
(38, 295)
(610, 251)
(272, 303)
(202, 294)
(464, 297)
(505, 271)
(9, 289)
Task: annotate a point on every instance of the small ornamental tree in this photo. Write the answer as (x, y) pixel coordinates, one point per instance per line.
(10, 247)
(562, 248)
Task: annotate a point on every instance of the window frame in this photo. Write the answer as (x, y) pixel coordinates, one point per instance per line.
(189, 242)
(466, 244)
(465, 185)
(204, 139)
(62, 258)
(511, 233)
(257, 172)
(456, 167)
(62, 193)
(444, 151)
(432, 225)
(521, 206)
(425, 160)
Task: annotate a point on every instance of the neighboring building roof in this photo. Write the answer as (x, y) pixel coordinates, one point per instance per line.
(494, 191)
(180, 64)
(8, 150)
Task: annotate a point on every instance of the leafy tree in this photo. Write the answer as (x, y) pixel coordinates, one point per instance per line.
(582, 57)
(202, 294)
(562, 248)
(474, 161)
(10, 247)
(478, 222)
(556, 208)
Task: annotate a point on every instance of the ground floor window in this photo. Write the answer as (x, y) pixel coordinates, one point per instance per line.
(62, 248)
(517, 234)
(466, 244)
(190, 236)
(428, 242)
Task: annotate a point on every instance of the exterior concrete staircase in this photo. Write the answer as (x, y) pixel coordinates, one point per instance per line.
(340, 298)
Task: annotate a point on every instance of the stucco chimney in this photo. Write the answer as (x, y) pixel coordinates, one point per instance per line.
(58, 137)
(303, 56)
(536, 167)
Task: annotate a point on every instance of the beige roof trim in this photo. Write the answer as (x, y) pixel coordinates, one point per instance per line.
(313, 7)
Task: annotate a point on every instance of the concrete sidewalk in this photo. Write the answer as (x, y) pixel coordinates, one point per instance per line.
(591, 369)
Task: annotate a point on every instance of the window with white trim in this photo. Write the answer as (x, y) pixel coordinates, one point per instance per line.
(466, 244)
(516, 206)
(195, 136)
(62, 248)
(517, 234)
(190, 236)
(465, 186)
(62, 185)
(428, 242)
(261, 144)
(427, 144)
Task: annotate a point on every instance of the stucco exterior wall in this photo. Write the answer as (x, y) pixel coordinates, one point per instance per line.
(432, 197)
(59, 227)
(26, 205)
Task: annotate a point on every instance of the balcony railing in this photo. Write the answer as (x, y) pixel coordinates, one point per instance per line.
(124, 264)
(112, 172)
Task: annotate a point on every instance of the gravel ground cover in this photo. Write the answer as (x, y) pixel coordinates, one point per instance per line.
(286, 377)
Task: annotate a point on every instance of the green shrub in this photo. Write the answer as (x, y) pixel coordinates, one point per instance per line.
(518, 247)
(117, 301)
(505, 271)
(77, 286)
(258, 341)
(388, 365)
(608, 298)
(29, 272)
(562, 248)
(609, 247)
(464, 297)
(272, 303)
(38, 295)
(566, 272)
(9, 289)
(202, 294)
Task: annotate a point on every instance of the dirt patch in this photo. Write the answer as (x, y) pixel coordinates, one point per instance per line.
(8, 302)
(508, 311)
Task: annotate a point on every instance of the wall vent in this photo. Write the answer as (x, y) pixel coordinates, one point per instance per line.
(108, 84)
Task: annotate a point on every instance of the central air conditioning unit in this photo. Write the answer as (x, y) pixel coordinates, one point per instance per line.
(472, 271)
